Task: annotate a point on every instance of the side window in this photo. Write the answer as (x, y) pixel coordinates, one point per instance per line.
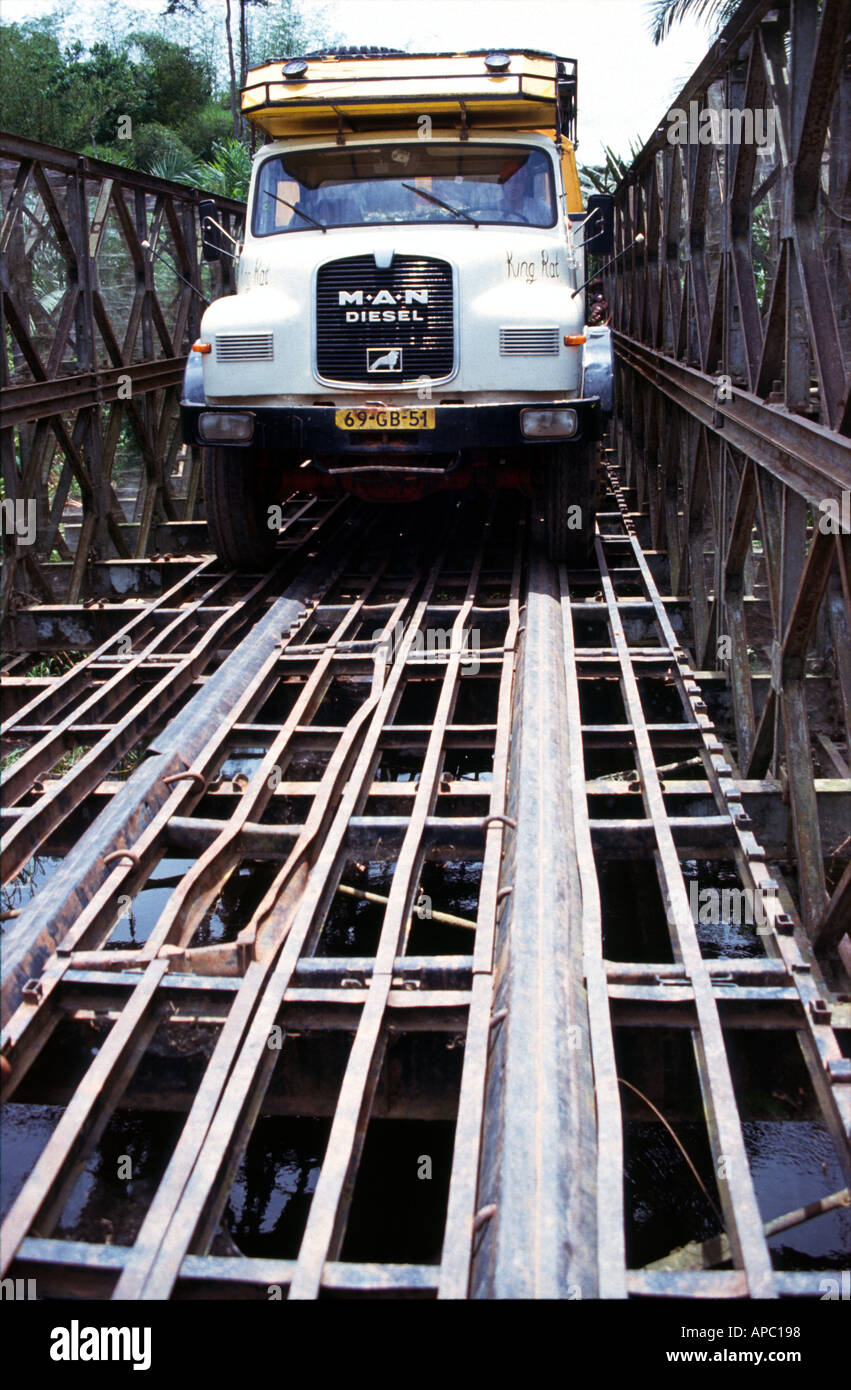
(270, 214)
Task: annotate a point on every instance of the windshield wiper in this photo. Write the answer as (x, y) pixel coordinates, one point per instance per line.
(456, 212)
(296, 210)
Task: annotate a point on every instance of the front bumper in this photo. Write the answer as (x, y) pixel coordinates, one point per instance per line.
(311, 431)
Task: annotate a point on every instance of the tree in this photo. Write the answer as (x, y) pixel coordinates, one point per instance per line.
(33, 81)
(283, 30)
(228, 172)
(182, 98)
(604, 178)
(192, 6)
(101, 88)
(176, 81)
(664, 14)
(265, 29)
(189, 7)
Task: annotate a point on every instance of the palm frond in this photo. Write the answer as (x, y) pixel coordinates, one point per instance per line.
(174, 165)
(229, 170)
(664, 14)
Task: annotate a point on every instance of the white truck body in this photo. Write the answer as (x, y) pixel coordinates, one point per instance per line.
(505, 278)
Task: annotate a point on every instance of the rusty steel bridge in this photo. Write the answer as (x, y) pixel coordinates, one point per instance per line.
(271, 861)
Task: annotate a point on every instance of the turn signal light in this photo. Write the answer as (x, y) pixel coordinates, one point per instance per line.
(574, 339)
(208, 347)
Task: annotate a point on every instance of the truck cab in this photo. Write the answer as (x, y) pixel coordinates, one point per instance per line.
(409, 315)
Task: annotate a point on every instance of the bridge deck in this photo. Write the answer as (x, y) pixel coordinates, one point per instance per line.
(418, 919)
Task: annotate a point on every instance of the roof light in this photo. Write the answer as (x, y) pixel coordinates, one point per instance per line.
(294, 69)
(498, 62)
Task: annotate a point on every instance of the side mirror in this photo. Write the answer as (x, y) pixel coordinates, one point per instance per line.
(211, 237)
(601, 240)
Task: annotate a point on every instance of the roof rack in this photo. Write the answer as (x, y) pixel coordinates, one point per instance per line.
(354, 93)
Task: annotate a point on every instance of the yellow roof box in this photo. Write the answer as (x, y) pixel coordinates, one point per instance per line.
(344, 93)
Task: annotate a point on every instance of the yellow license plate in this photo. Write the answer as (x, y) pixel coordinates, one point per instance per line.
(403, 418)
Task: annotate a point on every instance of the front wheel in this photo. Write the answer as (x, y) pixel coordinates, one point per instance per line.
(238, 498)
(568, 494)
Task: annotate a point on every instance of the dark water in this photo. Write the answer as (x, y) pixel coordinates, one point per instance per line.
(353, 925)
(30, 880)
(396, 1215)
(792, 1163)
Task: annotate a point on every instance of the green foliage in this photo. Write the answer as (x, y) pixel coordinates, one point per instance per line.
(664, 14)
(156, 144)
(33, 81)
(102, 88)
(176, 81)
(763, 249)
(283, 30)
(178, 165)
(228, 172)
(68, 760)
(76, 99)
(200, 130)
(604, 178)
(54, 664)
(176, 94)
(11, 758)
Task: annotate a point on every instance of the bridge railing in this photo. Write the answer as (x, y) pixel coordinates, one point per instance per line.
(732, 324)
(102, 290)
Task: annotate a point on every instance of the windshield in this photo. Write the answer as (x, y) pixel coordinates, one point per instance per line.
(420, 182)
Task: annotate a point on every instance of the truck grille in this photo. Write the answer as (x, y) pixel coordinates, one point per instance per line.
(245, 347)
(528, 342)
(411, 334)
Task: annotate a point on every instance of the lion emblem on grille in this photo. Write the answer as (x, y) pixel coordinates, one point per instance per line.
(389, 361)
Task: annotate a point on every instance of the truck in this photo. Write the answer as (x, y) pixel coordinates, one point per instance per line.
(409, 314)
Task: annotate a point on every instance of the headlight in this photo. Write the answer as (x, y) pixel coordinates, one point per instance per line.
(548, 424)
(218, 427)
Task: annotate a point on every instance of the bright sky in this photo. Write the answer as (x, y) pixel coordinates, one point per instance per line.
(625, 84)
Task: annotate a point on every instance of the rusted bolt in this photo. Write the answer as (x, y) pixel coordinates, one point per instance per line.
(116, 854)
(189, 775)
(482, 1215)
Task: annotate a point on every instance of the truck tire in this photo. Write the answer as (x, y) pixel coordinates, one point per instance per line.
(237, 501)
(571, 478)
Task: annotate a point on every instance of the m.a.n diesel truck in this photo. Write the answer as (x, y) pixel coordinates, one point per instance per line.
(409, 314)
